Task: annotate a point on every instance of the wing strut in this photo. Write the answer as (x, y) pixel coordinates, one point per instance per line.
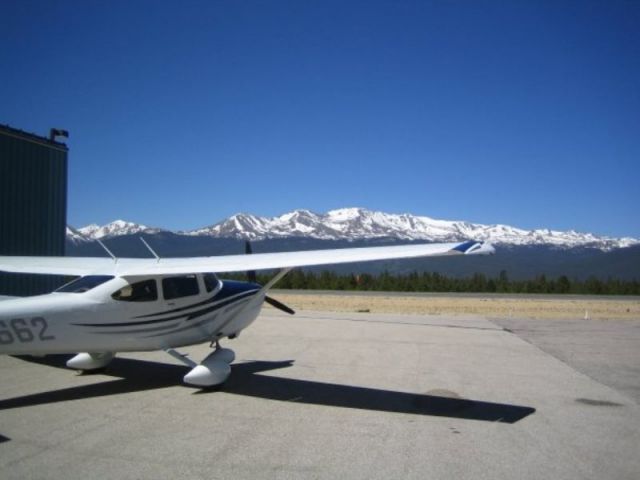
(272, 301)
(107, 250)
(251, 276)
(150, 249)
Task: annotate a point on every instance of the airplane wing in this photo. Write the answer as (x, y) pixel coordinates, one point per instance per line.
(233, 263)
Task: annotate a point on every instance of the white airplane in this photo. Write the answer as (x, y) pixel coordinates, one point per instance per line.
(127, 304)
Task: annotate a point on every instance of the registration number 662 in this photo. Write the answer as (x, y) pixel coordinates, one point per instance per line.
(24, 330)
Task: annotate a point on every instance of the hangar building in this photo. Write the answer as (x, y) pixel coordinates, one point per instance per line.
(33, 204)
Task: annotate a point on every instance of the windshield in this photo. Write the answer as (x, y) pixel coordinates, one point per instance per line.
(84, 284)
(210, 281)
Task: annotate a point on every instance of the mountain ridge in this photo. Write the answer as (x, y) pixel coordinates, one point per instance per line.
(353, 224)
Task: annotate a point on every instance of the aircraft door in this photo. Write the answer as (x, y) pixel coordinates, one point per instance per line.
(180, 291)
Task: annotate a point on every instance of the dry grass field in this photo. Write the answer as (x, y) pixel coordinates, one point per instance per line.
(497, 307)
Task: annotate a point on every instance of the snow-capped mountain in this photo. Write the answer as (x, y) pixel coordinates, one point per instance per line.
(362, 224)
(113, 229)
(358, 223)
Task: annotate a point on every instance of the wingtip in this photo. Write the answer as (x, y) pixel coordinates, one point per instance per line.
(475, 248)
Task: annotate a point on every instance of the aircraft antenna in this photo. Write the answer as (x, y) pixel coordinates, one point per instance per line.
(150, 249)
(107, 250)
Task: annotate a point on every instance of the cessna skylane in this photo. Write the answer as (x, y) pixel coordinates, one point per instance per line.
(133, 304)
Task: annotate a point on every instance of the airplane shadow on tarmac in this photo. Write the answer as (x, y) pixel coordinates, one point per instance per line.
(246, 379)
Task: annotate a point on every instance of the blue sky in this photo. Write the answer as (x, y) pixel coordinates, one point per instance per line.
(181, 114)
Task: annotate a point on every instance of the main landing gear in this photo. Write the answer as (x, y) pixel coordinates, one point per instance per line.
(213, 370)
(90, 361)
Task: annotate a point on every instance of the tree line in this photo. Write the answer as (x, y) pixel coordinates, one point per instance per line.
(436, 282)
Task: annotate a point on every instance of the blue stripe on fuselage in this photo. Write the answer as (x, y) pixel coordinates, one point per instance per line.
(233, 287)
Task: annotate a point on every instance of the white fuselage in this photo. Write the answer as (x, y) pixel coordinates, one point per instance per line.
(100, 320)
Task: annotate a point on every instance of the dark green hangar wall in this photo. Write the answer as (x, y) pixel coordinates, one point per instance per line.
(33, 205)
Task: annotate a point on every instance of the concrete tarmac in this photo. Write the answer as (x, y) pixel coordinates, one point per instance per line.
(325, 395)
(607, 351)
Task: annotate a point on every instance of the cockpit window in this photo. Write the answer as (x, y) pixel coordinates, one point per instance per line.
(210, 282)
(84, 284)
(145, 291)
(176, 287)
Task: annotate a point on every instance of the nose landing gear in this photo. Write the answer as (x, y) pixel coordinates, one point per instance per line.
(213, 370)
